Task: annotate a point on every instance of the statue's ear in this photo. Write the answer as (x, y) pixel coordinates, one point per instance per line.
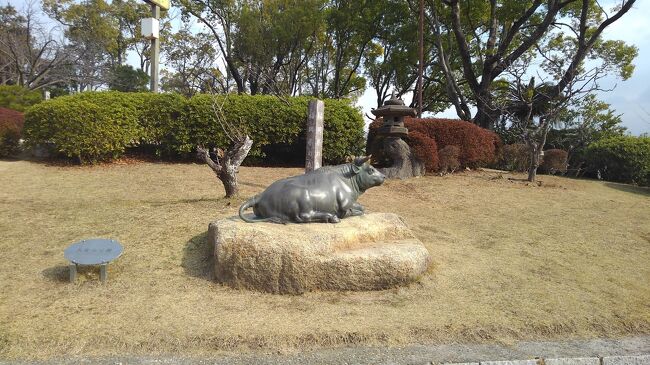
(356, 168)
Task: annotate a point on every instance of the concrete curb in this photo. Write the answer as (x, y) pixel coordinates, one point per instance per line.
(622, 351)
(607, 360)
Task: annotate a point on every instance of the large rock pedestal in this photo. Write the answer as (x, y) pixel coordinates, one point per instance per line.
(369, 252)
(405, 164)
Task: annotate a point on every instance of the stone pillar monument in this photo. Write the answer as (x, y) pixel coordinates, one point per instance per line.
(314, 155)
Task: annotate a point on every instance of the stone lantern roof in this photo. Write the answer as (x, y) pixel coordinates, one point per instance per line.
(394, 107)
(393, 111)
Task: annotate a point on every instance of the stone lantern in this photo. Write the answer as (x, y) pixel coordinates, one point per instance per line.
(405, 164)
(393, 112)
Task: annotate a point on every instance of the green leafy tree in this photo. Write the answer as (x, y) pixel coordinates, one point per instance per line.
(582, 123)
(126, 78)
(220, 17)
(391, 59)
(100, 33)
(192, 65)
(491, 36)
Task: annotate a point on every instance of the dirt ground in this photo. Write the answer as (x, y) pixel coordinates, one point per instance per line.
(511, 261)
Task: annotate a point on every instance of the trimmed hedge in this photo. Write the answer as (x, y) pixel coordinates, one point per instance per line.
(95, 126)
(449, 159)
(11, 126)
(622, 158)
(555, 160)
(90, 127)
(514, 157)
(478, 147)
(425, 149)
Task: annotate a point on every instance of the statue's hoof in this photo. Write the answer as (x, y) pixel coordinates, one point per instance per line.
(334, 219)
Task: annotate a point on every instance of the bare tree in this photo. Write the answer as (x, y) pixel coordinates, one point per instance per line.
(30, 55)
(225, 164)
(533, 107)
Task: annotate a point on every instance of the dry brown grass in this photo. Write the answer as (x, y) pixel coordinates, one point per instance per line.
(568, 259)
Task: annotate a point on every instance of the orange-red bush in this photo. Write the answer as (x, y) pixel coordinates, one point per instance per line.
(449, 159)
(514, 157)
(424, 148)
(554, 161)
(11, 127)
(478, 146)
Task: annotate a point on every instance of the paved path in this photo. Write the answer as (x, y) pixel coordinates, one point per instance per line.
(627, 351)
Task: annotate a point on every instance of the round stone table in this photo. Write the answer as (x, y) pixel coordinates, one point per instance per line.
(94, 251)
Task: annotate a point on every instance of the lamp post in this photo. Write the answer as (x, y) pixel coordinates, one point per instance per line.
(150, 30)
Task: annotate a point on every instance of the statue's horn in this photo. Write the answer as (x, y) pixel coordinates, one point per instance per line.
(367, 158)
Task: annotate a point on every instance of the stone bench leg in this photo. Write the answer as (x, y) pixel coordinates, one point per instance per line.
(103, 274)
(73, 272)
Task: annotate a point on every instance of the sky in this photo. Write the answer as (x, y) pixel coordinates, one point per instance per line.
(630, 98)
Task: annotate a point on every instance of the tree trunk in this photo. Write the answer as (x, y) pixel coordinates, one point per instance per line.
(534, 161)
(226, 168)
(228, 177)
(486, 113)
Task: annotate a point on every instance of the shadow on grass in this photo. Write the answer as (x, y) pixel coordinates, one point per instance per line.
(198, 260)
(253, 185)
(629, 188)
(160, 203)
(59, 273)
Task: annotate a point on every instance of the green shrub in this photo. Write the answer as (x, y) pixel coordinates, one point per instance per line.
(89, 127)
(622, 158)
(170, 125)
(18, 98)
(275, 126)
(164, 130)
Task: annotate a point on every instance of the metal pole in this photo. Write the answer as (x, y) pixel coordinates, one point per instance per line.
(155, 53)
(421, 63)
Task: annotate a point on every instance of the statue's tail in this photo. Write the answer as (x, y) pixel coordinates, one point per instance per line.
(247, 204)
(250, 203)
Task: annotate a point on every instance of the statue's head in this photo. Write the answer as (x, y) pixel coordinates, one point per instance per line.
(367, 175)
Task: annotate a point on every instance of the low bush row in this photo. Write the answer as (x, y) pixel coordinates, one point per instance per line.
(472, 145)
(621, 158)
(618, 158)
(94, 126)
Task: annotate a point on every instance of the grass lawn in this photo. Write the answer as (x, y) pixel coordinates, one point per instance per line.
(569, 259)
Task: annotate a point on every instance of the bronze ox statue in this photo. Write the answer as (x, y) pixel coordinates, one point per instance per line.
(323, 195)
